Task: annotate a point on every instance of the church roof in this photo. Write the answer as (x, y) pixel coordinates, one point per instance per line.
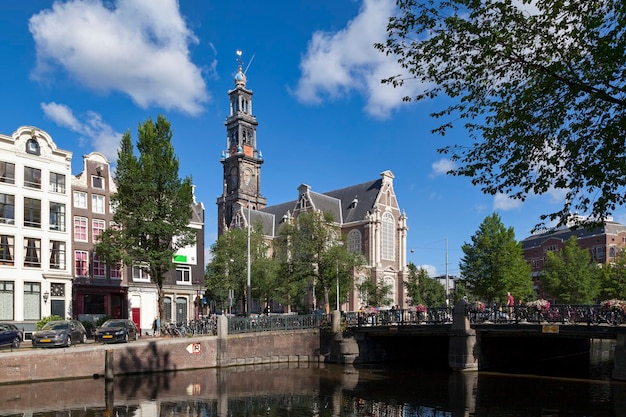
(347, 205)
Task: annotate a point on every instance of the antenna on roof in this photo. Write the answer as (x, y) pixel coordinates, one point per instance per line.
(249, 63)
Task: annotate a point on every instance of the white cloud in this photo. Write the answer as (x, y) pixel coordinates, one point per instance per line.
(432, 270)
(99, 135)
(504, 202)
(137, 47)
(441, 167)
(336, 64)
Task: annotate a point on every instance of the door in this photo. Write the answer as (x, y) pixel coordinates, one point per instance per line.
(136, 317)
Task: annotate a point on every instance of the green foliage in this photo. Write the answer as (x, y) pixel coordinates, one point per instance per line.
(310, 251)
(375, 294)
(494, 264)
(228, 269)
(613, 278)
(422, 289)
(153, 206)
(569, 275)
(45, 320)
(539, 86)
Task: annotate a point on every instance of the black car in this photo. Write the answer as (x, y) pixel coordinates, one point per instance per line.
(11, 326)
(60, 333)
(10, 335)
(117, 330)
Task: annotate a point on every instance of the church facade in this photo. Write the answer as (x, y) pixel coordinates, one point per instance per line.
(368, 214)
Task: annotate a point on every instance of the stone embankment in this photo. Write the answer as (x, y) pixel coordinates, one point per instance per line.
(159, 355)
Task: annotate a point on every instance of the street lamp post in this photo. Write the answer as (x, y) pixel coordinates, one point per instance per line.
(249, 290)
(339, 243)
(337, 284)
(447, 281)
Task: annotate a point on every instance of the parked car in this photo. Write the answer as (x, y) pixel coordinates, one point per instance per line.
(60, 333)
(9, 336)
(12, 326)
(117, 330)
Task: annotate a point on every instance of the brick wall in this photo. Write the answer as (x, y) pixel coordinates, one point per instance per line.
(156, 355)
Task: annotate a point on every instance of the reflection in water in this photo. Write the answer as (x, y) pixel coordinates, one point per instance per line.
(283, 390)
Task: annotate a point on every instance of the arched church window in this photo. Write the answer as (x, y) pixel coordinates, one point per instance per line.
(388, 241)
(354, 241)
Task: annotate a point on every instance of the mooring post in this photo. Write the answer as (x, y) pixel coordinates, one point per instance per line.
(109, 371)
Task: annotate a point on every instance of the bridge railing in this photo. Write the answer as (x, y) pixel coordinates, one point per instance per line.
(398, 317)
(267, 323)
(556, 313)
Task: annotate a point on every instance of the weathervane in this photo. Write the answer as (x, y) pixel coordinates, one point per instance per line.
(240, 61)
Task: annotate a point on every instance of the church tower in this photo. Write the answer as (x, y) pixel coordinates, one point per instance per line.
(241, 159)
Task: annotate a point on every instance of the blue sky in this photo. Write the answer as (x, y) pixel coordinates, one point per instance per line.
(86, 71)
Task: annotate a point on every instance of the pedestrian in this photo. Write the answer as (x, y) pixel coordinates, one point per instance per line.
(156, 326)
(510, 302)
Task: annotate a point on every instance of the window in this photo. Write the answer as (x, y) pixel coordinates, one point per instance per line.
(181, 309)
(57, 290)
(139, 274)
(116, 270)
(32, 252)
(183, 274)
(32, 147)
(354, 241)
(167, 309)
(57, 216)
(97, 227)
(80, 229)
(32, 177)
(97, 203)
(98, 267)
(57, 182)
(387, 244)
(7, 246)
(57, 254)
(32, 301)
(6, 300)
(80, 199)
(96, 182)
(7, 209)
(7, 172)
(32, 212)
(81, 268)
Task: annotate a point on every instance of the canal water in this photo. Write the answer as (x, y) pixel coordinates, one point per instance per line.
(328, 390)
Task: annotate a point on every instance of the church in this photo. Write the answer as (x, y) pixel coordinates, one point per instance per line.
(368, 214)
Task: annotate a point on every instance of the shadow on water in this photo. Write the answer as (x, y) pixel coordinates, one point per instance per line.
(324, 390)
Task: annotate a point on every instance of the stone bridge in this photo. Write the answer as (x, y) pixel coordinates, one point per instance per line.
(466, 340)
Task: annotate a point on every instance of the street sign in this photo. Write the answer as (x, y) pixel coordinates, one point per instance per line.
(194, 348)
(550, 328)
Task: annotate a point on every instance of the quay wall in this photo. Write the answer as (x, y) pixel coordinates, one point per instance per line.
(159, 355)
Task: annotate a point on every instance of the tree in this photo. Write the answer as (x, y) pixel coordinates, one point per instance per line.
(422, 289)
(569, 275)
(613, 278)
(375, 293)
(228, 269)
(311, 250)
(493, 263)
(540, 86)
(153, 206)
